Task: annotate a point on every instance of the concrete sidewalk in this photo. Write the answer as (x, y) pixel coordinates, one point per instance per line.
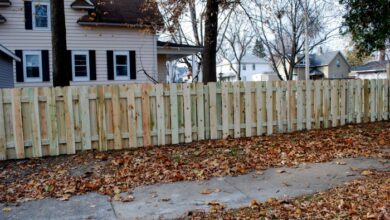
(174, 200)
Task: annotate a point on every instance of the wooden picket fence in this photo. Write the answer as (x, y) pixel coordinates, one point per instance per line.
(36, 122)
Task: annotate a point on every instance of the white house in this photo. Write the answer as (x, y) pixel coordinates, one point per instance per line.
(108, 41)
(371, 70)
(252, 68)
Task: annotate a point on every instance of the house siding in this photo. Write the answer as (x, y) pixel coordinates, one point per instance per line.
(341, 72)
(6, 80)
(14, 36)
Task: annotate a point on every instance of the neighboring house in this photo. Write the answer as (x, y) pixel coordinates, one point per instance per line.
(252, 67)
(6, 68)
(108, 41)
(329, 65)
(371, 70)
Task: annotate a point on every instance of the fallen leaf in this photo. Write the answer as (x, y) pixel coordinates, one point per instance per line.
(366, 173)
(205, 191)
(7, 209)
(281, 171)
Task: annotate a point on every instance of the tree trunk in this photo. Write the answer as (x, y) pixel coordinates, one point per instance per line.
(60, 64)
(210, 42)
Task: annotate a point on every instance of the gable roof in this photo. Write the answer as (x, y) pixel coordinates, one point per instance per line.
(324, 59)
(252, 59)
(4, 51)
(127, 13)
(372, 66)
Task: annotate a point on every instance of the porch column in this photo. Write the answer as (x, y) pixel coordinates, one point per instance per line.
(170, 72)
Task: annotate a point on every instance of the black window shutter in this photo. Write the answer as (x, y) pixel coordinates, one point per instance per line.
(70, 66)
(28, 15)
(19, 67)
(110, 65)
(92, 65)
(133, 65)
(45, 66)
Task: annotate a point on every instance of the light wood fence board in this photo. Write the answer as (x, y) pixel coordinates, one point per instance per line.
(237, 110)
(200, 111)
(225, 110)
(187, 113)
(213, 111)
(248, 108)
(174, 114)
(160, 114)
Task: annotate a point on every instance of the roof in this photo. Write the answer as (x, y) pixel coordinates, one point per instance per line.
(8, 53)
(372, 66)
(2, 19)
(323, 59)
(170, 44)
(82, 4)
(5, 3)
(250, 58)
(127, 13)
(247, 59)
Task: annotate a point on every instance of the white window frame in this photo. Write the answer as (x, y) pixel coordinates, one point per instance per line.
(32, 79)
(80, 78)
(42, 2)
(122, 53)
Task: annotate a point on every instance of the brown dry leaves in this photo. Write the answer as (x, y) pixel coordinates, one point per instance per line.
(113, 173)
(361, 199)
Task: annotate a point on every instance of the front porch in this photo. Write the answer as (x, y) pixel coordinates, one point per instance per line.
(168, 54)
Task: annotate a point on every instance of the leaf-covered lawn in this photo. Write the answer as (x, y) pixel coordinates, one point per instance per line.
(111, 173)
(368, 198)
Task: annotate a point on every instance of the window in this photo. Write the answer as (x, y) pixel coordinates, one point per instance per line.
(41, 15)
(243, 67)
(338, 62)
(32, 66)
(121, 65)
(253, 66)
(80, 65)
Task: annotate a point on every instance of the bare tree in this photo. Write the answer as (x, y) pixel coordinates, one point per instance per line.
(236, 41)
(280, 26)
(198, 22)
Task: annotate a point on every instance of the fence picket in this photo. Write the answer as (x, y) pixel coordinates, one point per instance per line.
(372, 100)
(309, 85)
(85, 118)
(259, 107)
(213, 111)
(200, 111)
(237, 110)
(187, 113)
(145, 94)
(160, 114)
(174, 114)
(248, 109)
(269, 104)
(69, 120)
(225, 110)
(35, 122)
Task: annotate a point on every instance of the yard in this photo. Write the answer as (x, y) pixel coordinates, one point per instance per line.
(111, 173)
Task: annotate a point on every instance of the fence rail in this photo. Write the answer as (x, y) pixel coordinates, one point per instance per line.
(36, 122)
